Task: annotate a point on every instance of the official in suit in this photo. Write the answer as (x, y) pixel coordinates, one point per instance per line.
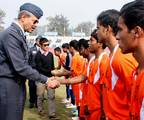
(14, 67)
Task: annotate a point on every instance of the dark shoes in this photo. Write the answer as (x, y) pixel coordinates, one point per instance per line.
(54, 117)
(32, 105)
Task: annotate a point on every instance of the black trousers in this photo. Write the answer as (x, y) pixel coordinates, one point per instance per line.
(32, 92)
(12, 99)
(72, 97)
(67, 92)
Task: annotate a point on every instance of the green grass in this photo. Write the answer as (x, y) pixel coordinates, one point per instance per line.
(61, 111)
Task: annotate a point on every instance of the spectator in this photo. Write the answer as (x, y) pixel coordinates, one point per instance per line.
(32, 87)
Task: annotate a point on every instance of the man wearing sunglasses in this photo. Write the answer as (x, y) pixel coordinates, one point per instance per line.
(14, 67)
(44, 60)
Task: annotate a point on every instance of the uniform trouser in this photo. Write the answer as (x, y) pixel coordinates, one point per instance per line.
(12, 98)
(67, 92)
(32, 92)
(51, 98)
(72, 97)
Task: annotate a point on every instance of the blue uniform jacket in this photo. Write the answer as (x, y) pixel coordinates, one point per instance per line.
(14, 56)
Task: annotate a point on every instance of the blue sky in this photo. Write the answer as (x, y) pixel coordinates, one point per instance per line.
(75, 10)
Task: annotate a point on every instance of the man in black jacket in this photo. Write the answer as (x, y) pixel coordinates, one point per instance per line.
(32, 86)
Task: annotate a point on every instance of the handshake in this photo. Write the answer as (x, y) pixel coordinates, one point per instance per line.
(52, 83)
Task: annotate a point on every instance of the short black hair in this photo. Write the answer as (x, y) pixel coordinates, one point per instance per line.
(94, 35)
(57, 49)
(65, 45)
(133, 14)
(83, 43)
(109, 18)
(74, 44)
(43, 40)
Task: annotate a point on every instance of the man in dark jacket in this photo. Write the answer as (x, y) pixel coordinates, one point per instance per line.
(14, 67)
(32, 86)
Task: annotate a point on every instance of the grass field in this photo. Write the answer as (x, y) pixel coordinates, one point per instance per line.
(61, 111)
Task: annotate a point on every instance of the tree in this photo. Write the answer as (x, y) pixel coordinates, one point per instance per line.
(59, 24)
(85, 27)
(40, 30)
(2, 15)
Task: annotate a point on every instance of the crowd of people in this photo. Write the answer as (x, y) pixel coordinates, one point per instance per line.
(103, 75)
